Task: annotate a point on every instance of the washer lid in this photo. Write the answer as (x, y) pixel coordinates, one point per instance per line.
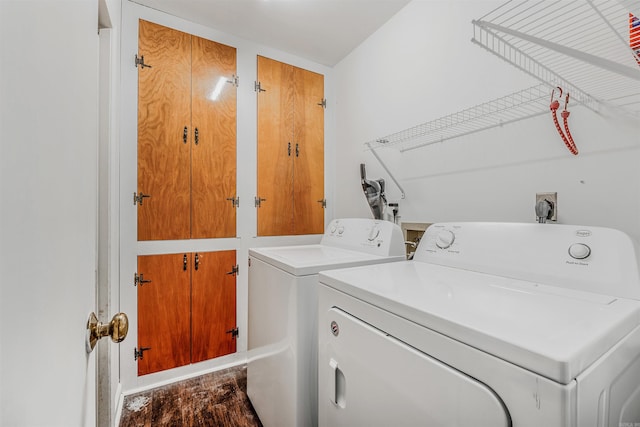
(552, 331)
(304, 260)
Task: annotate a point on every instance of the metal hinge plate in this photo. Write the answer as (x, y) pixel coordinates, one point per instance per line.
(234, 332)
(138, 354)
(235, 80)
(140, 62)
(324, 203)
(323, 103)
(258, 201)
(138, 279)
(234, 201)
(258, 88)
(235, 270)
(138, 198)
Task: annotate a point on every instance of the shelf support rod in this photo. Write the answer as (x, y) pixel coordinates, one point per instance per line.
(386, 169)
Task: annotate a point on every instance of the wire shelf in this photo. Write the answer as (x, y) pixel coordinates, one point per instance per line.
(581, 46)
(584, 47)
(527, 103)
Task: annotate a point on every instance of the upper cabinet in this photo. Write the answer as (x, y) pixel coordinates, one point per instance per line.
(290, 183)
(186, 136)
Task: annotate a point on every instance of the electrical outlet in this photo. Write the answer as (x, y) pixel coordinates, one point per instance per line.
(553, 199)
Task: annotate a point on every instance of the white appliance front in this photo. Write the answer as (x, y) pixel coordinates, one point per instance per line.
(389, 383)
(283, 301)
(499, 349)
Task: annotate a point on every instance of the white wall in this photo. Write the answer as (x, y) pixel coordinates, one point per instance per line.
(420, 66)
(246, 179)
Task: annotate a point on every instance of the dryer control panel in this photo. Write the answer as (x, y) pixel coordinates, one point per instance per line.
(593, 259)
(372, 236)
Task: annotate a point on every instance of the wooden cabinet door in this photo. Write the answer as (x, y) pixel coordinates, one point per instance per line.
(275, 147)
(213, 305)
(213, 173)
(308, 175)
(164, 321)
(290, 150)
(164, 110)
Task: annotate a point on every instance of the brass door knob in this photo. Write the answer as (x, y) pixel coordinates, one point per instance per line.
(116, 329)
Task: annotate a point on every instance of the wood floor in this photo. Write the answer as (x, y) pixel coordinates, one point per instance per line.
(216, 399)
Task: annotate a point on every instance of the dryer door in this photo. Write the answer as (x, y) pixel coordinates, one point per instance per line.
(370, 378)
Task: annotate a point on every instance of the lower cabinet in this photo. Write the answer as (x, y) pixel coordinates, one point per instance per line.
(186, 309)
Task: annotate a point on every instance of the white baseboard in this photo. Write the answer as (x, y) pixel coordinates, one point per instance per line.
(119, 397)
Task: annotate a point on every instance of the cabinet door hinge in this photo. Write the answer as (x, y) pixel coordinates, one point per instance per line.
(258, 201)
(235, 80)
(137, 198)
(323, 103)
(138, 279)
(137, 354)
(235, 270)
(258, 88)
(324, 203)
(140, 62)
(235, 202)
(234, 332)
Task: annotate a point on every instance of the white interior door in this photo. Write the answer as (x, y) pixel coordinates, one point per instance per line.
(48, 180)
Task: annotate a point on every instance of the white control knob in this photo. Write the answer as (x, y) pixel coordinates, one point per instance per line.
(333, 229)
(579, 251)
(445, 239)
(375, 231)
(340, 230)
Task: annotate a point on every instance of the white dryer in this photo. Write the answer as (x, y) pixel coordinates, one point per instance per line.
(492, 325)
(283, 301)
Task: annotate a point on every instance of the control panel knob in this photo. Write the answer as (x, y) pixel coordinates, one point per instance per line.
(445, 239)
(340, 230)
(579, 251)
(333, 229)
(375, 231)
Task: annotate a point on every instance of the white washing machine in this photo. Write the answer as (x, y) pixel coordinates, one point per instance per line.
(491, 325)
(283, 324)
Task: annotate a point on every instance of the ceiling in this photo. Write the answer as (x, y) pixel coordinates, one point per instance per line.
(323, 31)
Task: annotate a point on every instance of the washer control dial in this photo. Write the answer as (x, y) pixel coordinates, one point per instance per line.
(375, 231)
(445, 239)
(579, 251)
(340, 230)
